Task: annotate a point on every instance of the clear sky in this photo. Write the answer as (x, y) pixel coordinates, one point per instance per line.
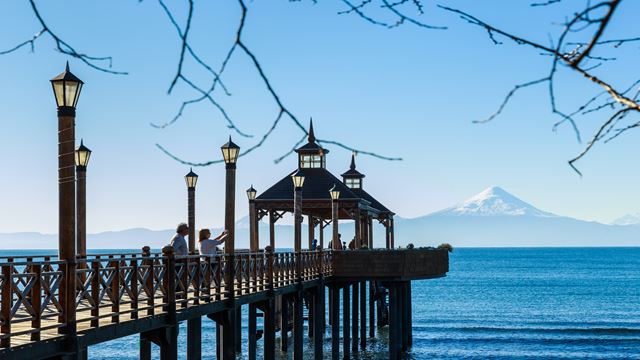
(408, 92)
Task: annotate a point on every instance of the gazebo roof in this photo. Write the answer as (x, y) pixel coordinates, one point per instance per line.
(317, 183)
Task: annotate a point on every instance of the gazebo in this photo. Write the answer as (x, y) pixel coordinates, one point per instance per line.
(354, 202)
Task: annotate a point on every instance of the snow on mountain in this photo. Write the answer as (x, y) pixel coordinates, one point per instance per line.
(630, 219)
(494, 201)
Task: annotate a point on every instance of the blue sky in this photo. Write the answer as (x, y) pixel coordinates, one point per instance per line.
(406, 92)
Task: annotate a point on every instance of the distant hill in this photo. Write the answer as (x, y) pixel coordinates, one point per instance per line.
(492, 218)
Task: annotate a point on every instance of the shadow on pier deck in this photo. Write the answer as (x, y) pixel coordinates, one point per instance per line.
(149, 294)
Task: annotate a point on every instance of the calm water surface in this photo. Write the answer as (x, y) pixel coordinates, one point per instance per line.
(503, 304)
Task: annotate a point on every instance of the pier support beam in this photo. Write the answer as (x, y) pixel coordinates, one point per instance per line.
(194, 339)
(145, 348)
(284, 324)
(346, 341)
(238, 329)
(226, 323)
(395, 318)
(298, 328)
(269, 333)
(363, 315)
(166, 338)
(252, 337)
(318, 331)
(335, 322)
(355, 305)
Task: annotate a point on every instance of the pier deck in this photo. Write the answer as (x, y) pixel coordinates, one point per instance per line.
(119, 295)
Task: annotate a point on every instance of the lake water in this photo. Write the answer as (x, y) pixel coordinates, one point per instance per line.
(572, 303)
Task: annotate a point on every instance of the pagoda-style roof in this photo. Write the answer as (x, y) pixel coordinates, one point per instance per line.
(316, 199)
(317, 183)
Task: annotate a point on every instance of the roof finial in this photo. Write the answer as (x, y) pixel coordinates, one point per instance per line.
(312, 136)
(353, 161)
(67, 68)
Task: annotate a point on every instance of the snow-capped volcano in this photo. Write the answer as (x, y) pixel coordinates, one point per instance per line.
(494, 201)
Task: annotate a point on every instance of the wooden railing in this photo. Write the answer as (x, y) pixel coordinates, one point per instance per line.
(113, 288)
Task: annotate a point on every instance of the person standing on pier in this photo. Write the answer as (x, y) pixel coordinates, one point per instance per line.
(208, 246)
(178, 241)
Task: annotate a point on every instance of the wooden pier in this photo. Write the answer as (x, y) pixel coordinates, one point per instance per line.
(55, 308)
(149, 294)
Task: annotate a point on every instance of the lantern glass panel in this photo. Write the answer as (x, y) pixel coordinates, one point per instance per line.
(82, 157)
(58, 91)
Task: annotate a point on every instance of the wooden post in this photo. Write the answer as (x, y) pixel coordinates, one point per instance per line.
(252, 331)
(272, 229)
(358, 227)
(395, 340)
(191, 218)
(355, 306)
(335, 239)
(298, 322)
(6, 304)
(310, 231)
(318, 332)
(346, 341)
(410, 315)
(269, 333)
(228, 323)
(169, 348)
(67, 216)
(194, 338)
(321, 234)
(335, 322)
(238, 327)
(81, 213)
(392, 234)
(284, 324)
(254, 244)
(145, 348)
(36, 301)
(363, 316)
(387, 233)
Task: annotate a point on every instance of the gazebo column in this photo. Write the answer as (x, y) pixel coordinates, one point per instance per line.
(387, 232)
(321, 234)
(391, 233)
(272, 230)
(311, 229)
(358, 227)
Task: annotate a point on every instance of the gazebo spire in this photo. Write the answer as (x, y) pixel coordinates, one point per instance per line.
(352, 177)
(312, 136)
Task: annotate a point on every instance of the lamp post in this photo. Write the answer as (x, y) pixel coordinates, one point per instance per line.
(191, 179)
(82, 156)
(335, 195)
(66, 88)
(253, 220)
(230, 329)
(298, 181)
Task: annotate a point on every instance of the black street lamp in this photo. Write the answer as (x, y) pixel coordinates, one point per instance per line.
(66, 89)
(298, 181)
(335, 195)
(254, 244)
(230, 328)
(82, 156)
(191, 179)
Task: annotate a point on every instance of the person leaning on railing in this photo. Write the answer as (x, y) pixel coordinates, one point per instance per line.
(178, 242)
(208, 246)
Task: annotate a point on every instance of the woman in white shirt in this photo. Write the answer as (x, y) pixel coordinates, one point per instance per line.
(208, 246)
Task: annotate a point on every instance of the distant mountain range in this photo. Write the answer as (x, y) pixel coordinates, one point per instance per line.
(492, 218)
